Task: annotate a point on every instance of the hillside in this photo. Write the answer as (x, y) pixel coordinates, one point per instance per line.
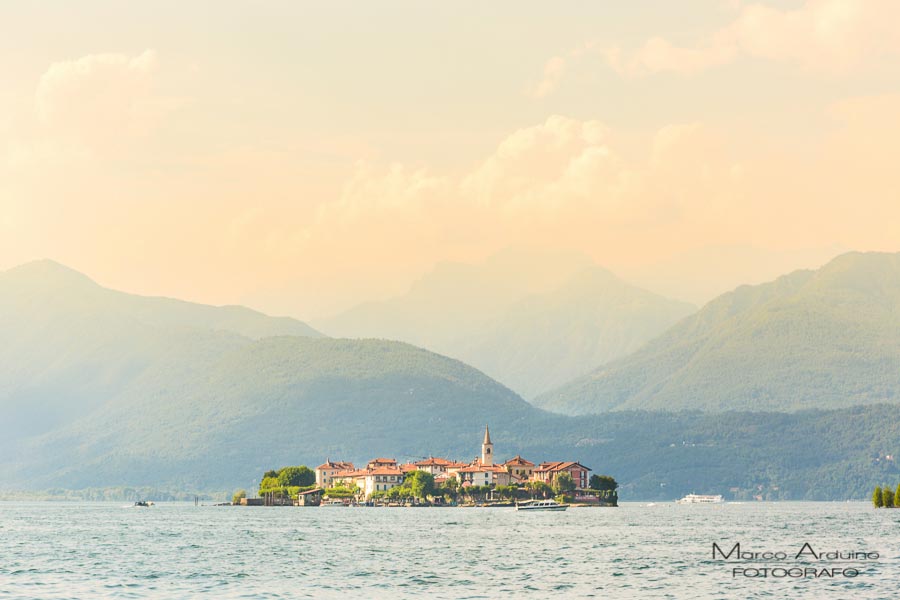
(226, 415)
(531, 322)
(812, 339)
(68, 343)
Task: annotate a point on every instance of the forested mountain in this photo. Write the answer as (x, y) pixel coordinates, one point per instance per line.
(532, 322)
(828, 338)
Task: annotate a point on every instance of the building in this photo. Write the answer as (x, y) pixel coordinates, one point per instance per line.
(478, 474)
(435, 466)
(377, 463)
(327, 470)
(310, 498)
(380, 475)
(519, 469)
(547, 472)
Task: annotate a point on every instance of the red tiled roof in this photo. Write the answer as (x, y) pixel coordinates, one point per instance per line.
(433, 461)
(559, 466)
(482, 469)
(351, 473)
(335, 464)
(383, 471)
(518, 460)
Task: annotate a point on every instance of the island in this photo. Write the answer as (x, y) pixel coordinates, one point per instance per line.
(434, 481)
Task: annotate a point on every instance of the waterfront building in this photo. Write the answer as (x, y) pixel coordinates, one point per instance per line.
(546, 472)
(433, 465)
(519, 469)
(327, 470)
(369, 480)
(479, 474)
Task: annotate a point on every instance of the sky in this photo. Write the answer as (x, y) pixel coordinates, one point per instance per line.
(301, 158)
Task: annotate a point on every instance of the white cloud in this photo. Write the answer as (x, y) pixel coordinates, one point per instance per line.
(99, 98)
(831, 36)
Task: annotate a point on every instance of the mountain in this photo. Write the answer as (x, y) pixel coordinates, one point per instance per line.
(95, 393)
(69, 343)
(828, 338)
(530, 321)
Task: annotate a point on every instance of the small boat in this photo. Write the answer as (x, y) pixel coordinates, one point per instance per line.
(541, 505)
(143, 503)
(701, 499)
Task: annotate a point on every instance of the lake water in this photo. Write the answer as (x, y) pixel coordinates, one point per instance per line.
(102, 550)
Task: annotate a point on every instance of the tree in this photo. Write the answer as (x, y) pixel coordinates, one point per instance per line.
(539, 489)
(877, 497)
(273, 474)
(897, 497)
(236, 499)
(269, 484)
(603, 483)
(420, 484)
(563, 483)
(887, 497)
(296, 476)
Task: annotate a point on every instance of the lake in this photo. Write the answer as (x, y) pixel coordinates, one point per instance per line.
(639, 550)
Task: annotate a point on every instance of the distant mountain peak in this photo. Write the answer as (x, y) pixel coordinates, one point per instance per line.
(45, 271)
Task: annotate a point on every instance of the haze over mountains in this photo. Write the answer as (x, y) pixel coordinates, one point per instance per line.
(531, 321)
(828, 338)
(102, 388)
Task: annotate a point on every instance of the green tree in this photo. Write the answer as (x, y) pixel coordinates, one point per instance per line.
(236, 499)
(420, 484)
(563, 483)
(887, 497)
(539, 489)
(897, 497)
(269, 484)
(603, 483)
(273, 474)
(877, 497)
(296, 476)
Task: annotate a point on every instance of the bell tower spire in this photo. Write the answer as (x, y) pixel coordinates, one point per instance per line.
(487, 449)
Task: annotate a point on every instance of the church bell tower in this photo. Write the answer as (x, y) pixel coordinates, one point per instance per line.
(487, 449)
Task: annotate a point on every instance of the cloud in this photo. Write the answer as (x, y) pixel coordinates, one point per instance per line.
(829, 36)
(564, 181)
(98, 99)
(554, 70)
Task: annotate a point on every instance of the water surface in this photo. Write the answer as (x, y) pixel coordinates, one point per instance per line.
(104, 550)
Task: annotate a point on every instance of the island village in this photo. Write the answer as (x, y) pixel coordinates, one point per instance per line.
(434, 481)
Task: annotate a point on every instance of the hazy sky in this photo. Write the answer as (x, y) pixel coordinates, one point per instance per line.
(301, 158)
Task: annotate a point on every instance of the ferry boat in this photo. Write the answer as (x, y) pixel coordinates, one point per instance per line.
(541, 505)
(701, 499)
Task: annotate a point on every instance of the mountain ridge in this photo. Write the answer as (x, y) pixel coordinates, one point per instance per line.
(773, 346)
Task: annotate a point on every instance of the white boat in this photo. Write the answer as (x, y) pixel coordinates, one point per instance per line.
(541, 505)
(701, 499)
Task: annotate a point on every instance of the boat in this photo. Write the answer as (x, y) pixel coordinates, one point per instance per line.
(143, 503)
(701, 499)
(541, 505)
